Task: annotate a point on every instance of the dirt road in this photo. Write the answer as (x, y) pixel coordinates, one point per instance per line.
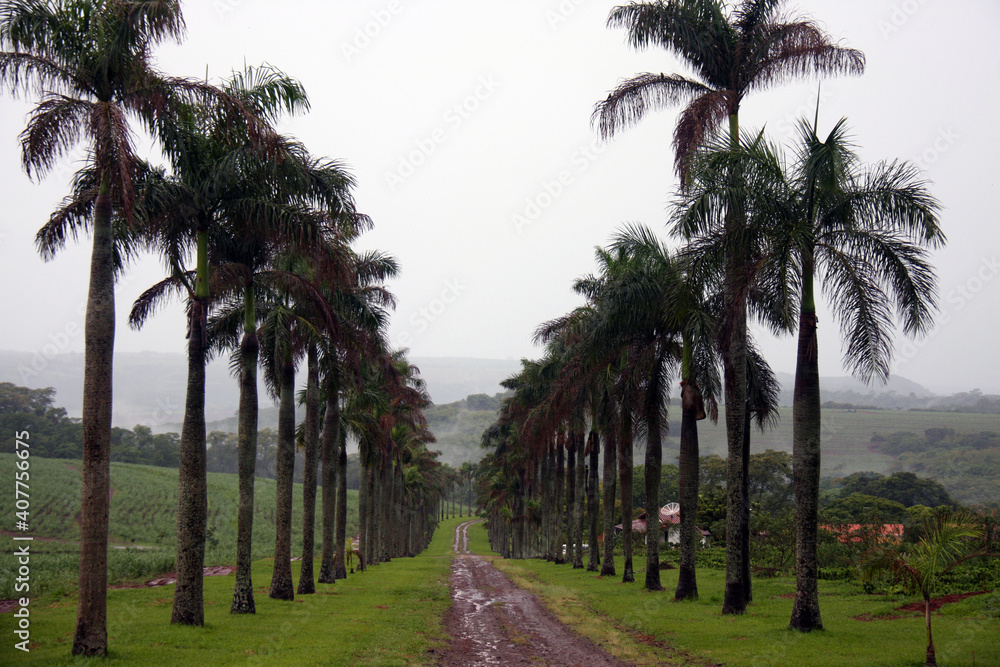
(493, 622)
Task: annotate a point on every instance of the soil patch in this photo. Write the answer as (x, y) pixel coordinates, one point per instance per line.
(937, 603)
(171, 577)
(917, 608)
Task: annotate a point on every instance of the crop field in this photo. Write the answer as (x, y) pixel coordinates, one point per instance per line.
(143, 523)
(846, 434)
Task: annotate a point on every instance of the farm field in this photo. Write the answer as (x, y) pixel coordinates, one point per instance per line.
(143, 521)
(846, 435)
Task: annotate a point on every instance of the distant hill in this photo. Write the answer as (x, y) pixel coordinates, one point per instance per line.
(149, 387)
(451, 379)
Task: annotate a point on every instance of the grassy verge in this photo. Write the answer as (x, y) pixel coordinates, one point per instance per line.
(388, 615)
(629, 621)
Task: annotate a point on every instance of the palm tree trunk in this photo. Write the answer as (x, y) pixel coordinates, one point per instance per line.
(328, 464)
(806, 421)
(745, 512)
(546, 474)
(243, 601)
(385, 514)
(340, 537)
(560, 504)
(399, 544)
(735, 371)
(687, 581)
(364, 516)
(593, 505)
(931, 658)
(625, 475)
(608, 500)
(570, 493)
(91, 636)
(310, 441)
(192, 492)
(281, 581)
(654, 461)
(581, 490)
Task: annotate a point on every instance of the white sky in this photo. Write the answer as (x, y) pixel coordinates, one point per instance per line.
(454, 115)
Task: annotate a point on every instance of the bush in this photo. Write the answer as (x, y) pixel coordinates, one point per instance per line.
(991, 605)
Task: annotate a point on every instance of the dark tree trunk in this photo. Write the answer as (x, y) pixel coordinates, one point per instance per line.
(593, 504)
(608, 499)
(310, 442)
(581, 490)
(364, 516)
(192, 491)
(745, 514)
(282, 587)
(340, 537)
(546, 482)
(517, 521)
(570, 493)
(243, 602)
(625, 475)
(560, 500)
(385, 515)
(328, 464)
(691, 406)
(930, 658)
(91, 636)
(654, 461)
(806, 463)
(734, 366)
(398, 535)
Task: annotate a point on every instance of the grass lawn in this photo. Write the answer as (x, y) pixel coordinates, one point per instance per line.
(626, 620)
(388, 615)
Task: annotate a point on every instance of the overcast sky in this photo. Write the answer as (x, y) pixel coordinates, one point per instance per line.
(467, 126)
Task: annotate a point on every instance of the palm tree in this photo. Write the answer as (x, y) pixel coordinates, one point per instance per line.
(216, 187)
(863, 232)
(682, 299)
(362, 307)
(91, 64)
(946, 542)
(278, 214)
(732, 53)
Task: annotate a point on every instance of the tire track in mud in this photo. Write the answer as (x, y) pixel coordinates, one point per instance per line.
(493, 622)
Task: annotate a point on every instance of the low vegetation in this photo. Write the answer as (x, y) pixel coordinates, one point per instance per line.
(389, 615)
(861, 628)
(143, 522)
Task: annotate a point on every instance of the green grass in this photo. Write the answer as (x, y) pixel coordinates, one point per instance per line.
(143, 521)
(626, 619)
(389, 615)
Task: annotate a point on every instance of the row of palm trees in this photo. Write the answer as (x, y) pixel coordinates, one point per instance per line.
(255, 234)
(759, 229)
